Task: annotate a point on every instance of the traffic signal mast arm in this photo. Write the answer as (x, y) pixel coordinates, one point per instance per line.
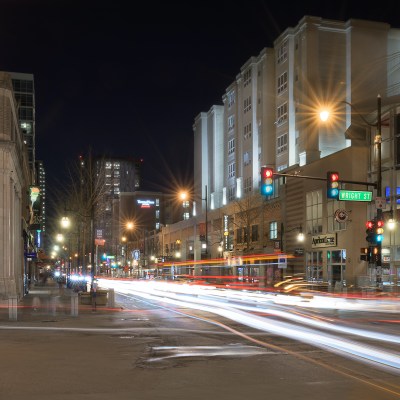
(325, 179)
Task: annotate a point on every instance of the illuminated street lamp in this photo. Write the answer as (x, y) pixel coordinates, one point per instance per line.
(324, 115)
(66, 224)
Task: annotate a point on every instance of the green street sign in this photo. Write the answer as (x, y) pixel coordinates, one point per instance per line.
(354, 195)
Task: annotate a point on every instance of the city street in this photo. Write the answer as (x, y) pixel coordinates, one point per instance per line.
(156, 345)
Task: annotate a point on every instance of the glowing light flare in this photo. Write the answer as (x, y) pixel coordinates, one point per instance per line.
(324, 115)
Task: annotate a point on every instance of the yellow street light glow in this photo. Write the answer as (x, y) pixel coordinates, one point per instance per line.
(65, 222)
(183, 195)
(324, 115)
(391, 224)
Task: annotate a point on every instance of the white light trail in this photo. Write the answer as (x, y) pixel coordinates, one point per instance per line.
(198, 298)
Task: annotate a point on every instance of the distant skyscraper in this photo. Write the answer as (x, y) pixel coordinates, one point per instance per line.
(120, 175)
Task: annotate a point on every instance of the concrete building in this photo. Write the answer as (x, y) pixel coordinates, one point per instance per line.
(270, 117)
(120, 175)
(15, 177)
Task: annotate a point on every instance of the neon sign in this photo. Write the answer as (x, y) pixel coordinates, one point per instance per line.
(146, 203)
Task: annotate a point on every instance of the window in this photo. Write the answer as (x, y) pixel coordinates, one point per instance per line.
(281, 143)
(273, 230)
(246, 234)
(282, 114)
(247, 104)
(246, 159)
(239, 237)
(231, 193)
(231, 98)
(231, 170)
(282, 82)
(231, 122)
(314, 265)
(254, 233)
(231, 146)
(247, 78)
(247, 184)
(314, 212)
(247, 131)
(282, 52)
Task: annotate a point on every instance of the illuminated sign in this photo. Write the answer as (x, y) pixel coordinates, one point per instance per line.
(145, 203)
(226, 232)
(354, 195)
(35, 207)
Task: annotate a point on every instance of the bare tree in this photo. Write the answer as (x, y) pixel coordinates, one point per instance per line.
(84, 197)
(248, 212)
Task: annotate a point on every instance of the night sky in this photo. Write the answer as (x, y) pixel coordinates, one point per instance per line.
(128, 78)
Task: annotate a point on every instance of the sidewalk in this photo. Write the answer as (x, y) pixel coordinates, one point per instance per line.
(48, 301)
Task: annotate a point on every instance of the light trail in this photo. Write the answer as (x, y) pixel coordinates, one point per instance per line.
(191, 297)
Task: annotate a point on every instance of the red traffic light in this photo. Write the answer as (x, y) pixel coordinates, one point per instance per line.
(334, 177)
(267, 172)
(379, 224)
(369, 224)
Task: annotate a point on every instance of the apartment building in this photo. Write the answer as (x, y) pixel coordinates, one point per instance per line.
(270, 117)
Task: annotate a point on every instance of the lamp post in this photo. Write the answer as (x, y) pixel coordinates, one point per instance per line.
(129, 227)
(324, 115)
(66, 223)
(206, 200)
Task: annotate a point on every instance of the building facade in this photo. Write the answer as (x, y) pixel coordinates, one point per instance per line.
(16, 240)
(270, 117)
(118, 175)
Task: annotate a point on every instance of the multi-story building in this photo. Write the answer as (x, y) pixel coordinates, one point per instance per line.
(24, 91)
(16, 241)
(270, 118)
(119, 175)
(41, 183)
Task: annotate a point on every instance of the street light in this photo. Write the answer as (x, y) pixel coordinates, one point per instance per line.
(66, 223)
(206, 200)
(324, 115)
(129, 226)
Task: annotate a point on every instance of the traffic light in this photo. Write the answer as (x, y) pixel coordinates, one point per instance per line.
(364, 254)
(370, 238)
(332, 185)
(374, 254)
(267, 183)
(379, 230)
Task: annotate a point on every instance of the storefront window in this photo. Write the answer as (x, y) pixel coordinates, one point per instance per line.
(336, 263)
(314, 266)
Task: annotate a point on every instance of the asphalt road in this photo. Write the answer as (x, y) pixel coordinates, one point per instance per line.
(150, 350)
